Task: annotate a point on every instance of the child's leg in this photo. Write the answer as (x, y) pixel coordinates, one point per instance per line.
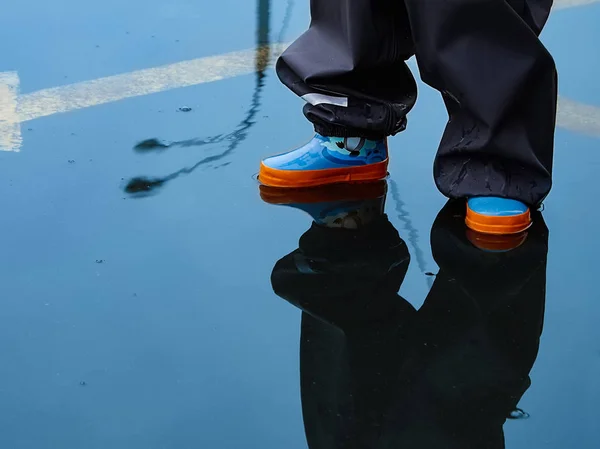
(499, 85)
(349, 67)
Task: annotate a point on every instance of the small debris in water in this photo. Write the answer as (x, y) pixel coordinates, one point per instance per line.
(71, 161)
(82, 383)
(429, 273)
(99, 261)
(185, 109)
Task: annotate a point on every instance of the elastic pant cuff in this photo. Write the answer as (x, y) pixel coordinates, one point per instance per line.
(342, 131)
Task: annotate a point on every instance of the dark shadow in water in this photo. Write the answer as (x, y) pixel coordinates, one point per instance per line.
(145, 186)
(376, 372)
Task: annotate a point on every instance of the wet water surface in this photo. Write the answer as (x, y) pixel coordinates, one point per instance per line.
(154, 297)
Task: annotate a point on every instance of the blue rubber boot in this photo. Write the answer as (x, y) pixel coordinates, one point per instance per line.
(497, 216)
(327, 160)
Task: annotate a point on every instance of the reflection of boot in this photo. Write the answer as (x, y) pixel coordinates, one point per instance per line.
(327, 160)
(349, 206)
(375, 373)
(351, 248)
(496, 243)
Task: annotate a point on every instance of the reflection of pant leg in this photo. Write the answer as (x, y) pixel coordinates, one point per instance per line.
(346, 373)
(481, 324)
(349, 67)
(507, 288)
(499, 85)
(346, 284)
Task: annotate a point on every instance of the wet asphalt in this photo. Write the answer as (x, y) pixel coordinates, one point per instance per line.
(135, 252)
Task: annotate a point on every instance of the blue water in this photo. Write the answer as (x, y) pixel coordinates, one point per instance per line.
(149, 321)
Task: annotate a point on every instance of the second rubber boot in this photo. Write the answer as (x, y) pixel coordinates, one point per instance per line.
(497, 216)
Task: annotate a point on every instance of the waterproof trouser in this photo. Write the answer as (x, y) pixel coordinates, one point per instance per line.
(497, 80)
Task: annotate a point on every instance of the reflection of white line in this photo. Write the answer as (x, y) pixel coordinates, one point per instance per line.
(14, 110)
(10, 130)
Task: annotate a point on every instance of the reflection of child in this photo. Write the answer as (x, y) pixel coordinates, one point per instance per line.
(497, 80)
(375, 372)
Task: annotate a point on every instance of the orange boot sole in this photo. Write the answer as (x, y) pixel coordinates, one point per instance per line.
(495, 225)
(311, 195)
(313, 178)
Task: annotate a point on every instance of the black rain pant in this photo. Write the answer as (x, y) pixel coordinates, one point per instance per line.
(497, 79)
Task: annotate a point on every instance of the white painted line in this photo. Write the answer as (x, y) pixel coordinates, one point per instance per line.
(15, 109)
(10, 129)
(578, 117)
(564, 4)
(142, 82)
(71, 97)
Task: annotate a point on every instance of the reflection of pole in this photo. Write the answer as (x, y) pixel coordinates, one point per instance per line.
(144, 186)
(413, 234)
(286, 21)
